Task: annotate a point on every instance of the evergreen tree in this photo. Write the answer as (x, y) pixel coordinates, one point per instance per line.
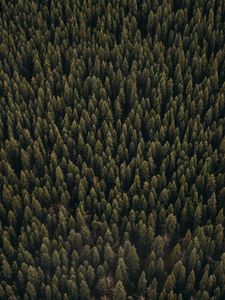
(119, 292)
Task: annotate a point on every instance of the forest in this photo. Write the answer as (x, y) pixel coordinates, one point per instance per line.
(112, 149)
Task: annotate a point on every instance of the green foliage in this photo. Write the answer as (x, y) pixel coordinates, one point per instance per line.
(119, 292)
(112, 146)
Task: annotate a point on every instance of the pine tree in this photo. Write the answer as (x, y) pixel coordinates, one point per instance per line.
(142, 283)
(132, 262)
(119, 292)
(190, 283)
(84, 292)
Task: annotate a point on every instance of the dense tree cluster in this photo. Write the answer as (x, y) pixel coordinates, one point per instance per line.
(112, 157)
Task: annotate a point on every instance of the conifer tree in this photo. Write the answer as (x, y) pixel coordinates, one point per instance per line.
(119, 292)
